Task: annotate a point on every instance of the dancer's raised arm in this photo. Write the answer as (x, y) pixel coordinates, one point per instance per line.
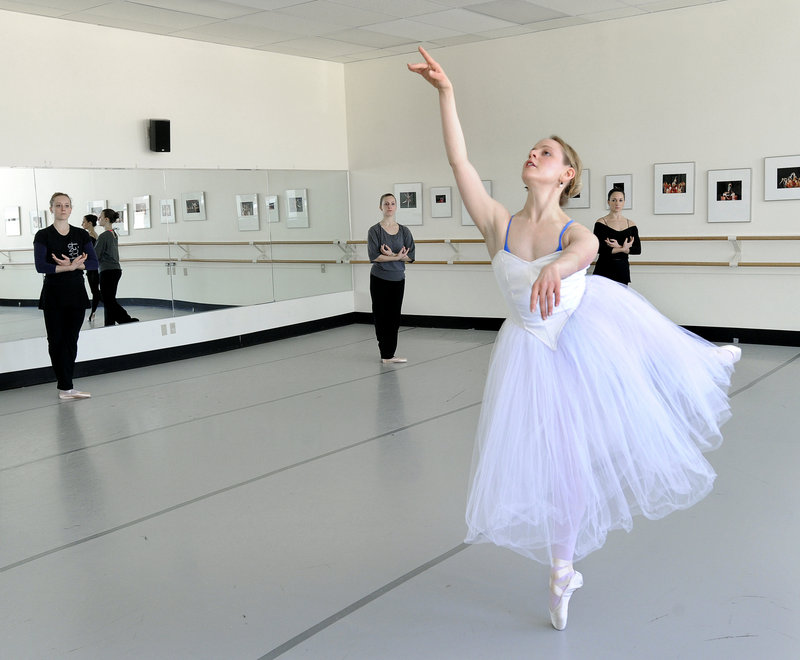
(484, 210)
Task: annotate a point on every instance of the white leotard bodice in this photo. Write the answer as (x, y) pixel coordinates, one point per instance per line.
(515, 277)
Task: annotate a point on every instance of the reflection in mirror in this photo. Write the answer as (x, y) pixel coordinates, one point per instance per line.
(196, 240)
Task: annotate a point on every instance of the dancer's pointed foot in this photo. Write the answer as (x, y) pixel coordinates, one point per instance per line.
(564, 580)
(393, 360)
(66, 395)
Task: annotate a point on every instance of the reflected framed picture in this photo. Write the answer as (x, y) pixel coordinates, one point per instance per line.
(122, 227)
(729, 195)
(441, 202)
(194, 206)
(409, 203)
(673, 188)
(466, 218)
(167, 211)
(96, 207)
(623, 182)
(273, 212)
(13, 225)
(38, 221)
(247, 212)
(781, 178)
(141, 212)
(297, 208)
(582, 199)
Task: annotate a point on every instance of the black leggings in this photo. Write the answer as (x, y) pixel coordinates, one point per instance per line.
(94, 285)
(387, 299)
(63, 326)
(114, 312)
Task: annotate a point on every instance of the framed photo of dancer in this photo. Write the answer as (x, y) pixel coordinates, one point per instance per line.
(582, 199)
(13, 224)
(729, 195)
(466, 218)
(673, 188)
(781, 178)
(623, 182)
(167, 211)
(409, 203)
(297, 208)
(441, 202)
(273, 212)
(141, 212)
(247, 212)
(194, 206)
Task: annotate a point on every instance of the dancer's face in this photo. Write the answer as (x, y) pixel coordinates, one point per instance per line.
(617, 201)
(546, 163)
(388, 206)
(61, 207)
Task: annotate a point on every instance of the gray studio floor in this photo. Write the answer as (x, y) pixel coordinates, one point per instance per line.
(300, 500)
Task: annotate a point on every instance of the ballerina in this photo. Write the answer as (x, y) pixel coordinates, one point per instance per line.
(562, 456)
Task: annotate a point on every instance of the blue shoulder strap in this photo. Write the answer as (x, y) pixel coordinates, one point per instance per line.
(505, 247)
(560, 235)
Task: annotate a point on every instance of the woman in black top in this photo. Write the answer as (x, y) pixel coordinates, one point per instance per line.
(92, 276)
(110, 269)
(390, 246)
(618, 238)
(62, 252)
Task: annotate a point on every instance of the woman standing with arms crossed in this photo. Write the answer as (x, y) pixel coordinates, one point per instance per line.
(110, 270)
(390, 246)
(560, 459)
(92, 276)
(618, 237)
(62, 252)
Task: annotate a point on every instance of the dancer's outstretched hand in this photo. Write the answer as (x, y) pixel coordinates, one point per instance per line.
(431, 70)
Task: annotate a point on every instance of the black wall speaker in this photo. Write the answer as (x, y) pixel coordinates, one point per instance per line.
(159, 134)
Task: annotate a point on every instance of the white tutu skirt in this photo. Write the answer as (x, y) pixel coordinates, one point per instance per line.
(574, 442)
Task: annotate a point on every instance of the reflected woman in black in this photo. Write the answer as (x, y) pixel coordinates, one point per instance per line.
(110, 270)
(92, 276)
(618, 238)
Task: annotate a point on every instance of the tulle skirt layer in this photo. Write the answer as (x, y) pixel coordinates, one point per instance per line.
(574, 442)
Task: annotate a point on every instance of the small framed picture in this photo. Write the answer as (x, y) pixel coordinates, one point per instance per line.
(623, 182)
(441, 204)
(409, 203)
(247, 212)
(38, 221)
(297, 208)
(466, 218)
(96, 207)
(121, 227)
(729, 195)
(194, 206)
(781, 178)
(673, 188)
(582, 199)
(13, 225)
(167, 210)
(273, 212)
(141, 212)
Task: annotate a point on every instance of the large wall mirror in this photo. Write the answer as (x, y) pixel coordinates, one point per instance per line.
(191, 240)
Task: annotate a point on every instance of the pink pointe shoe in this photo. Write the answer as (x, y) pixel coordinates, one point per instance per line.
(67, 395)
(393, 360)
(561, 593)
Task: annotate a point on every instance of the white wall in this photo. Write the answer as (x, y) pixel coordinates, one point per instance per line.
(707, 84)
(78, 95)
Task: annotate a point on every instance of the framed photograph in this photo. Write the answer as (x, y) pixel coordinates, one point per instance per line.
(409, 203)
(441, 203)
(194, 206)
(729, 195)
(141, 212)
(96, 207)
(466, 219)
(122, 227)
(167, 211)
(582, 199)
(781, 178)
(297, 208)
(273, 212)
(673, 188)
(38, 221)
(13, 225)
(247, 212)
(623, 182)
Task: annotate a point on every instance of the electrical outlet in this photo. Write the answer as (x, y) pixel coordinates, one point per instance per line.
(163, 330)
(172, 328)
